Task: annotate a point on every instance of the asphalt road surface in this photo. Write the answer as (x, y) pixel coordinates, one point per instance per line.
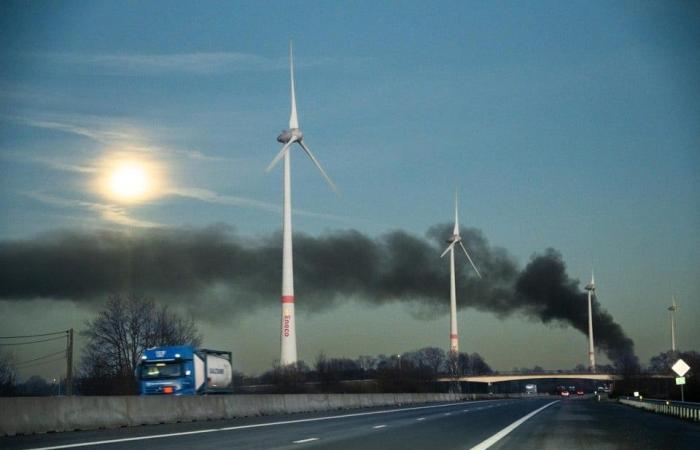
(543, 423)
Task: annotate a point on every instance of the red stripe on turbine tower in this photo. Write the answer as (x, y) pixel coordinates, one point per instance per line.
(453, 336)
(287, 299)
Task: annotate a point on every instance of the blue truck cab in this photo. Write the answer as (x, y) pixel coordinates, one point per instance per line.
(184, 370)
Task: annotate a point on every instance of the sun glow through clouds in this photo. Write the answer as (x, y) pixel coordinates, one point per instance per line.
(130, 180)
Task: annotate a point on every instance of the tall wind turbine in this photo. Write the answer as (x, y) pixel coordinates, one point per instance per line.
(288, 337)
(672, 312)
(590, 287)
(454, 240)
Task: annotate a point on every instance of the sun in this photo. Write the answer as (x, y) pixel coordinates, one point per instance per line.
(129, 180)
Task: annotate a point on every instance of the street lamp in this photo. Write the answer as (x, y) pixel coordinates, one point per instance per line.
(399, 356)
(55, 381)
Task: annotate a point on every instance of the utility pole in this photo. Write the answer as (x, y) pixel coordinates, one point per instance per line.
(69, 362)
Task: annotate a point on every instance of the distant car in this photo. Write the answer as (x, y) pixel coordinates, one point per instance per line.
(564, 393)
(579, 392)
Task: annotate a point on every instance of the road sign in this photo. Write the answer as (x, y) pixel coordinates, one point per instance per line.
(680, 367)
(680, 380)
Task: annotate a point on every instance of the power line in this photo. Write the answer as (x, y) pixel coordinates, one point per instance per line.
(39, 363)
(34, 335)
(33, 342)
(41, 357)
(48, 358)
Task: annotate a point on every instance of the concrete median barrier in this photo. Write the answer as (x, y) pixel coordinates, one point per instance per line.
(29, 415)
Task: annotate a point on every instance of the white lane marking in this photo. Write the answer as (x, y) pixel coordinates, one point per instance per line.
(466, 410)
(376, 427)
(421, 418)
(303, 441)
(447, 414)
(243, 427)
(504, 432)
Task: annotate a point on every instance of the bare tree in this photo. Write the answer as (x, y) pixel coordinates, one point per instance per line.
(477, 365)
(463, 363)
(323, 369)
(7, 374)
(366, 362)
(453, 364)
(434, 358)
(117, 337)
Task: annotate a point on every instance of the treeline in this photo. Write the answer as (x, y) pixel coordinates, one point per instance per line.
(414, 371)
(116, 337)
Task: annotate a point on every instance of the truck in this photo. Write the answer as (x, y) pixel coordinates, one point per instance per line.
(184, 370)
(531, 389)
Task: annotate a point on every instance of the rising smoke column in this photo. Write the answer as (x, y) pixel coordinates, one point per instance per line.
(544, 290)
(212, 270)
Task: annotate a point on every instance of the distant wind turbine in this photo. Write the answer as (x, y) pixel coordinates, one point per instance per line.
(288, 339)
(454, 240)
(590, 287)
(672, 312)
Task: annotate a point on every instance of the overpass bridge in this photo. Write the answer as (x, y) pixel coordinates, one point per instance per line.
(501, 377)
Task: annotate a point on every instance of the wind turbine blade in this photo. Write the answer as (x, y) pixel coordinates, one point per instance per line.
(293, 122)
(470, 259)
(280, 155)
(318, 165)
(456, 229)
(449, 247)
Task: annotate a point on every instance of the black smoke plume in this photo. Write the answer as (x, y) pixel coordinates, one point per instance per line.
(213, 269)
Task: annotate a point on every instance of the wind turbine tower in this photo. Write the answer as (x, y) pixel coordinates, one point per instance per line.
(288, 336)
(452, 241)
(590, 287)
(672, 313)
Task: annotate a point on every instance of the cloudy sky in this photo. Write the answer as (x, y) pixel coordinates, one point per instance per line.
(565, 125)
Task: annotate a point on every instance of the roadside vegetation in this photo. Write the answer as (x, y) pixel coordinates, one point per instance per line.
(116, 337)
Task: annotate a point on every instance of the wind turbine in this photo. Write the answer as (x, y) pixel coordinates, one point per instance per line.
(590, 287)
(672, 313)
(454, 240)
(288, 339)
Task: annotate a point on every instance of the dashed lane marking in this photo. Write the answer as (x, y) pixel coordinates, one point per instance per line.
(303, 441)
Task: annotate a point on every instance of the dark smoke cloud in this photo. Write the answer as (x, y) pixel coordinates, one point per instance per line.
(545, 291)
(213, 268)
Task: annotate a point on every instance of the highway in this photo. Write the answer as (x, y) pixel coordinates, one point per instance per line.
(542, 423)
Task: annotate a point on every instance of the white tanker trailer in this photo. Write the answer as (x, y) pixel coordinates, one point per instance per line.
(184, 370)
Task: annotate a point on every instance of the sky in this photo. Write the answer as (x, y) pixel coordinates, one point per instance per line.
(565, 125)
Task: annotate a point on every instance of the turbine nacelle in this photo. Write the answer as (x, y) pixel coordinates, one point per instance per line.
(591, 286)
(457, 239)
(288, 135)
(294, 135)
(673, 307)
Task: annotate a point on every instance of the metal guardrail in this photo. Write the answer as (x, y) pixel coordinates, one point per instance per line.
(683, 410)
(653, 400)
